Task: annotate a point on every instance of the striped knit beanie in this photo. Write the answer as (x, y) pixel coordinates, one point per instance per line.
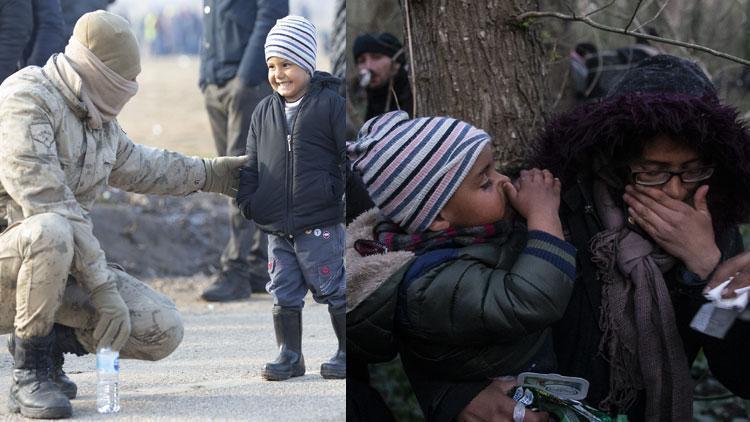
(293, 38)
(411, 168)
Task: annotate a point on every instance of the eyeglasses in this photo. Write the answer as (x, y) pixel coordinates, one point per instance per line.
(660, 177)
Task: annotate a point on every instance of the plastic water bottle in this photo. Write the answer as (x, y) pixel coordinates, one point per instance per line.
(108, 379)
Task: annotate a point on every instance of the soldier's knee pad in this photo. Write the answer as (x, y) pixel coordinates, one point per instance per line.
(50, 233)
(161, 340)
(173, 333)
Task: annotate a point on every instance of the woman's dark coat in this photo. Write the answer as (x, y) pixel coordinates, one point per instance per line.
(597, 138)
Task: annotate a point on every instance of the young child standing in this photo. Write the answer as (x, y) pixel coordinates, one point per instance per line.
(292, 187)
(445, 272)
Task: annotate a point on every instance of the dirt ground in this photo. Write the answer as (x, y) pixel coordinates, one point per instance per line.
(156, 236)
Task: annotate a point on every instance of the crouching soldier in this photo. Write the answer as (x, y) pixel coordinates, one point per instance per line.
(60, 146)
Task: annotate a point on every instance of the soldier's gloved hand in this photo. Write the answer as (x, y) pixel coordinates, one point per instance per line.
(113, 327)
(223, 174)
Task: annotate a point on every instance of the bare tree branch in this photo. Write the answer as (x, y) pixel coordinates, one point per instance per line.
(661, 9)
(595, 11)
(538, 14)
(672, 32)
(635, 12)
(570, 9)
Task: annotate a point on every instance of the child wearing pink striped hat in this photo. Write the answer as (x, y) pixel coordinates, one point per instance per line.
(446, 260)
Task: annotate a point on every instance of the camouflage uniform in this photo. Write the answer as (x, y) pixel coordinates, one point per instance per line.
(53, 166)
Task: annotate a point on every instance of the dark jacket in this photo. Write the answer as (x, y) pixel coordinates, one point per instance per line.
(484, 310)
(572, 146)
(234, 33)
(381, 100)
(469, 313)
(48, 36)
(598, 140)
(16, 24)
(294, 181)
(577, 335)
(72, 10)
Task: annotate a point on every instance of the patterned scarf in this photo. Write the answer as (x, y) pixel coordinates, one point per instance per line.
(394, 238)
(640, 340)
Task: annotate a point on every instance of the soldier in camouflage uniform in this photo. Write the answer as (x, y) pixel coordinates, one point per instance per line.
(60, 146)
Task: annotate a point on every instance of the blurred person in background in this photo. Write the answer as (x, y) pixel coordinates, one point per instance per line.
(381, 62)
(30, 32)
(16, 24)
(233, 78)
(48, 35)
(72, 10)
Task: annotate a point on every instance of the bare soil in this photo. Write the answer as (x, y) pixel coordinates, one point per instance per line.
(152, 236)
(158, 238)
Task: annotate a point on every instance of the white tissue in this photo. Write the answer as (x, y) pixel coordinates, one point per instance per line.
(739, 302)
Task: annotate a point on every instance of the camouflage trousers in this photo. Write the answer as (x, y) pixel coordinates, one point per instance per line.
(36, 292)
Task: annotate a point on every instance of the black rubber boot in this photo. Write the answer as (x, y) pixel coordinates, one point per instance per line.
(230, 285)
(335, 368)
(290, 363)
(32, 393)
(65, 342)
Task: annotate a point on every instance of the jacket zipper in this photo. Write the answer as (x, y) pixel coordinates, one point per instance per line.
(290, 168)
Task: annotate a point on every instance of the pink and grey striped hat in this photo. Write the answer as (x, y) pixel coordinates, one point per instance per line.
(293, 38)
(411, 168)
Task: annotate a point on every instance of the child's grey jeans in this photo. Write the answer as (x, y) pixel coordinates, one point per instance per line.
(313, 260)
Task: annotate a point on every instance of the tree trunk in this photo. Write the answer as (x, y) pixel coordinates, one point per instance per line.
(472, 62)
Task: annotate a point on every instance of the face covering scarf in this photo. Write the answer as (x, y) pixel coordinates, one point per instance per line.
(103, 91)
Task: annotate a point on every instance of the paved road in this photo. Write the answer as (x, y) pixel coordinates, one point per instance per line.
(215, 373)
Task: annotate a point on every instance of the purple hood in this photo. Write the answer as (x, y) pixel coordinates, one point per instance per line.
(608, 131)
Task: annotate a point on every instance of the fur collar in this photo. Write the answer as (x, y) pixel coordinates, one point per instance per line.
(364, 274)
(612, 127)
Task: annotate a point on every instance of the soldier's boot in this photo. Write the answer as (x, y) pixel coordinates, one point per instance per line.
(229, 285)
(65, 342)
(287, 324)
(335, 368)
(258, 282)
(32, 392)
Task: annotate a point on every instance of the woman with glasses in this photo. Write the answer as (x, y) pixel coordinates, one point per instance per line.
(656, 178)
